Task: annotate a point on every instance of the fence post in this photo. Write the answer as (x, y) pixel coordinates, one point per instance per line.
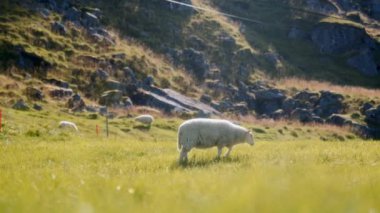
(107, 125)
(97, 130)
(1, 117)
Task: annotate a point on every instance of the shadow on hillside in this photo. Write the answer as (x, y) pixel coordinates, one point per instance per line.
(206, 162)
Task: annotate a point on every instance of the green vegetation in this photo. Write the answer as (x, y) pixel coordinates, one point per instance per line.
(291, 168)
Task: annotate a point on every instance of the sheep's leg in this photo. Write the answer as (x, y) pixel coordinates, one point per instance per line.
(219, 151)
(183, 155)
(228, 151)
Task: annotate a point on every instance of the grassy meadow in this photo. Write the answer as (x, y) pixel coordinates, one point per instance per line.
(291, 168)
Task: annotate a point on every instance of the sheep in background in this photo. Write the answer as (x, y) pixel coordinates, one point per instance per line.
(145, 119)
(207, 133)
(68, 124)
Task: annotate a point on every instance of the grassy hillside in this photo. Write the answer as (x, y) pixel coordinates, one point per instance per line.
(78, 51)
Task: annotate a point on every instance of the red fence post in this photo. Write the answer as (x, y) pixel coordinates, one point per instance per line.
(1, 117)
(97, 130)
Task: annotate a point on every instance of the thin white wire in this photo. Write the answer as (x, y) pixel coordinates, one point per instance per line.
(214, 11)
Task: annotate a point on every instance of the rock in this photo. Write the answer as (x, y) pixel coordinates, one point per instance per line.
(120, 56)
(240, 108)
(334, 38)
(76, 103)
(206, 99)
(289, 105)
(268, 100)
(196, 43)
(372, 116)
(32, 62)
(57, 92)
(338, 120)
(45, 13)
(90, 20)
(195, 62)
(99, 74)
(37, 107)
(317, 119)
(148, 81)
(34, 93)
(126, 102)
(187, 102)
(365, 107)
(302, 115)
(324, 7)
(114, 85)
(58, 28)
(365, 63)
(111, 97)
(329, 103)
(20, 105)
(130, 75)
(146, 98)
(270, 95)
(227, 41)
(223, 106)
(72, 14)
(278, 114)
(297, 33)
(306, 96)
(57, 82)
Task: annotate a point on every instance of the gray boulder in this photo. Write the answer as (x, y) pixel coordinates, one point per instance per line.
(329, 103)
(37, 107)
(278, 114)
(365, 63)
(21, 105)
(111, 98)
(372, 116)
(59, 28)
(76, 103)
(206, 99)
(302, 115)
(114, 85)
(99, 74)
(146, 98)
(195, 62)
(240, 108)
(338, 120)
(57, 92)
(34, 93)
(268, 100)
(89, 20)
(365, 107)
(333, 38)
(72, 14)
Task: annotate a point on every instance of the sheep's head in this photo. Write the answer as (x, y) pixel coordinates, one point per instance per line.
(249, 138)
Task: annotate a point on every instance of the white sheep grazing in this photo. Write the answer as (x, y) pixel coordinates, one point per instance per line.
(145, 119)
(64, 124)
(206, 133)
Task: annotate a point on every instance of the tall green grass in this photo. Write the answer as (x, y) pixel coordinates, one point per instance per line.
(136, 170)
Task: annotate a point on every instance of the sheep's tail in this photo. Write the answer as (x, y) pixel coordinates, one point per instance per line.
(179, 144)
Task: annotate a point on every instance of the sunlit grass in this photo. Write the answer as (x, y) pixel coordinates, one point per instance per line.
(136, 170)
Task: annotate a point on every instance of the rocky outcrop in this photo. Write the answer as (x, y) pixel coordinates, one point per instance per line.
(372, 116)
(335, 38)
(365, 63)
(329, 103)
